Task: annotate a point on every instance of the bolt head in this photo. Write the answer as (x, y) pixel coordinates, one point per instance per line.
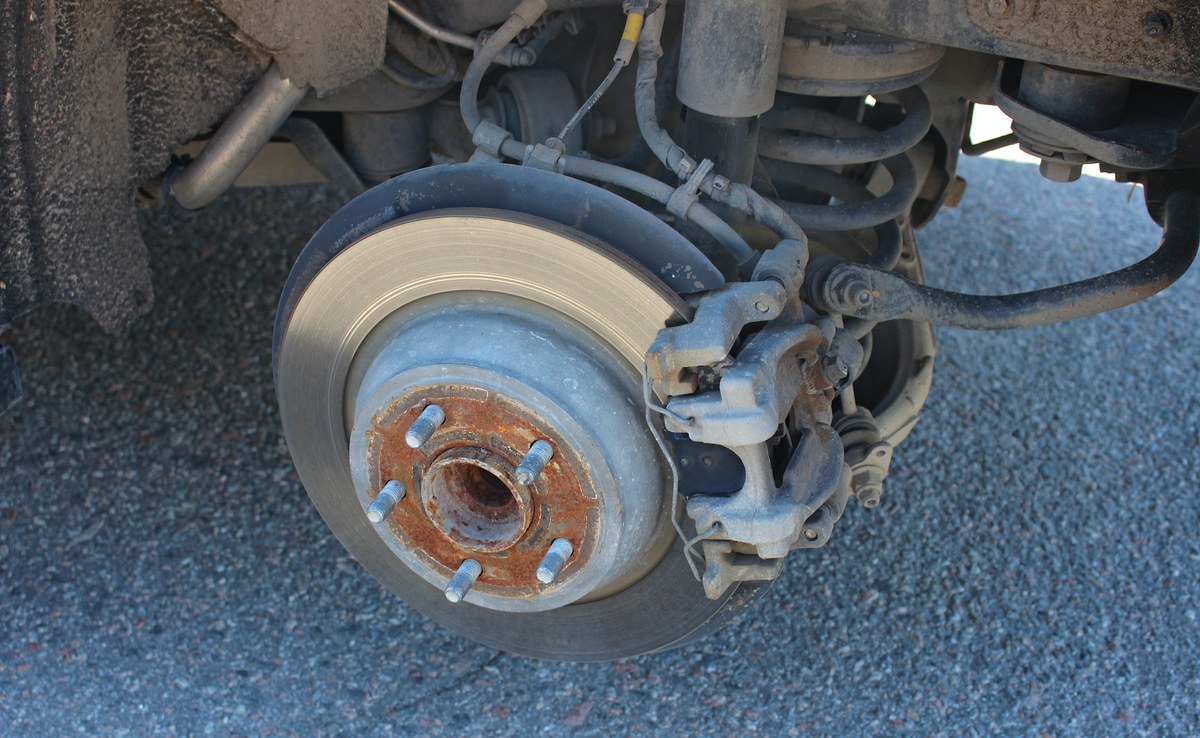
(762, 307)
(999, 8)
(834, 369)
(1060, 171)
(1156, 23)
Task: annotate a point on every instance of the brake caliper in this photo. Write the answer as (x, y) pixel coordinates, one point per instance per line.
(750, 395)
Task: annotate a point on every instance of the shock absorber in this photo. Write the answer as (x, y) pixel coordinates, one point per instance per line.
(728, 73)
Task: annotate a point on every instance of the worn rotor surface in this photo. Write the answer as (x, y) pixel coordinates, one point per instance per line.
(330, 358)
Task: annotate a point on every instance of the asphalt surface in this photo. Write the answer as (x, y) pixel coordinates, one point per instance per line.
(1034, 568)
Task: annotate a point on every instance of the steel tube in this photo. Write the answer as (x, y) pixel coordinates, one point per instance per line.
(239, 139)
(453, 38)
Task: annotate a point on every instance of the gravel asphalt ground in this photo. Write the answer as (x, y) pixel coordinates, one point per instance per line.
(1034, 568)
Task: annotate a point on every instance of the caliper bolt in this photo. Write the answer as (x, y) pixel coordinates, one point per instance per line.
(834, 369)
(385, 501)
(534, 463)
(423, 428)
(462, 580)
(554, 560)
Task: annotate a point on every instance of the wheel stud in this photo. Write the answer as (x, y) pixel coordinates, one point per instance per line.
(535, 461)
(462, 580)
(385, 501)
(423, 428)
(554, 560)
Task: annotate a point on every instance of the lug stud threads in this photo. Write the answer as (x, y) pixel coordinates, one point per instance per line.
(423, 428)
(554, 560)
(385, 501)
(534, 463)
(462, 580)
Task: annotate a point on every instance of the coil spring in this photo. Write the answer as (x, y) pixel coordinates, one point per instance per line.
(797, 145)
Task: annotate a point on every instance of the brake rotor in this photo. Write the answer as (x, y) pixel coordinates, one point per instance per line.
(520, 329)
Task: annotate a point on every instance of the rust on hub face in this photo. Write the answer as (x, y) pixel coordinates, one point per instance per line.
(464, 500)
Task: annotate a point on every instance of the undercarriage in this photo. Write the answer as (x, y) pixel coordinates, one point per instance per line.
(626, 303)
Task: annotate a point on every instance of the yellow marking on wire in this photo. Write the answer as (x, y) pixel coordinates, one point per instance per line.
(633, 27)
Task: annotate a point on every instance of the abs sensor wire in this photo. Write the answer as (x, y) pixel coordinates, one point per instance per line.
(636, 14)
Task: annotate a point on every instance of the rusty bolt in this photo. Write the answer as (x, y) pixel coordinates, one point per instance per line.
(385, 501)
(462, 580)
(554, 561)
(1156, 23)
(535, 461)
(999, 8)
(423, 428)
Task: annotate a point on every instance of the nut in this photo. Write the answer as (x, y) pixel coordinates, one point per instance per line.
(1057, 170)
(999, 8)
(1156, 23)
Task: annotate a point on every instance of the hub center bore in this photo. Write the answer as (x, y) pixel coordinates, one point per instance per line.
(470, 496)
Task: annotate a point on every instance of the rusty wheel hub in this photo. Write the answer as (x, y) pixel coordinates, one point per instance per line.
(464, 501)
